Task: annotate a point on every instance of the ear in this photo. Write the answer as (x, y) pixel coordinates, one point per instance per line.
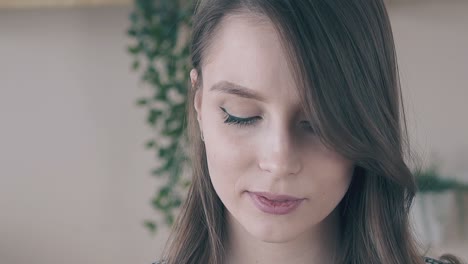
(198, 94)
(197, 104)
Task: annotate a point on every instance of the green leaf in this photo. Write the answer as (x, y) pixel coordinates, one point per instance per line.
(152, 226)
(142, 101)
(149, 144)
(169, 219)
(163, 200)
(164, 168)
(153, 116)
(132, 32)
(134, 49)
(135, 65)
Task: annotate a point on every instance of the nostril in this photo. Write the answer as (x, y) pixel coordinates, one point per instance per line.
(282, 167)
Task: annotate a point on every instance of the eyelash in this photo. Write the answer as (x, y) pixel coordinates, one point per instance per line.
(239, 121)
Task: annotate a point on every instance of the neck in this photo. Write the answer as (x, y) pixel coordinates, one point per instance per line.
(317, 245)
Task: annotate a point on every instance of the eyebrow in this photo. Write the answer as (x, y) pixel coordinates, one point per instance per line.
(236, 89)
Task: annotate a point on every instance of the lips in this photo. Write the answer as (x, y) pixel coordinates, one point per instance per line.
(276, 197)
(275, 204)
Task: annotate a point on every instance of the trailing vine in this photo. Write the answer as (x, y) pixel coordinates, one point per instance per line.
(160, 30)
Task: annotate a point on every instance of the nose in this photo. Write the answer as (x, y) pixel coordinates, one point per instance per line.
(281, 154)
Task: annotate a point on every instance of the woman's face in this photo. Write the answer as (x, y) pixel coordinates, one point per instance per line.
(257, 138)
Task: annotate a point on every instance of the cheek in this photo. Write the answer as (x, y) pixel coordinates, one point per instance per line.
(223, 150)
(334, 175)
(228, 157)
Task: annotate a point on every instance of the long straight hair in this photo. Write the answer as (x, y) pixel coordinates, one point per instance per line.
(343, 56)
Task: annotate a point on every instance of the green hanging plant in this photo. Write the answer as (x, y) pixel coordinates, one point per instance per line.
(430, 180)
(160, 53)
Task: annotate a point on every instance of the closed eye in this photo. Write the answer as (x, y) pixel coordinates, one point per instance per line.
(249, 121)
(240, 121)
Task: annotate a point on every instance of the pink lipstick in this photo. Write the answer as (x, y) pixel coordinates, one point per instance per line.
(273, 203)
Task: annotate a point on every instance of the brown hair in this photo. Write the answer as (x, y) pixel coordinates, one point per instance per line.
(343, 57)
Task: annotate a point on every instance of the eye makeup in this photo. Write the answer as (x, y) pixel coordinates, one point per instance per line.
(249, 121)
(239, 121)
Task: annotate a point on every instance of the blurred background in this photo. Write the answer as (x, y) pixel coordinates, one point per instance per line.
(75, 181)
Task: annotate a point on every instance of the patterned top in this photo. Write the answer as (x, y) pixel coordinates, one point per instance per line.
(435, 261)
(427, 260)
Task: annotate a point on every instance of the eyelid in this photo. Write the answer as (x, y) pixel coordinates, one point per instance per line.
(226, 112)
(245, 121)
(239, 121)
(237, 117)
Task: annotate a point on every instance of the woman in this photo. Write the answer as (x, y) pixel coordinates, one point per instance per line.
(298, 137)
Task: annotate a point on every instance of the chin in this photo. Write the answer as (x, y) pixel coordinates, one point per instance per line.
(271, 233)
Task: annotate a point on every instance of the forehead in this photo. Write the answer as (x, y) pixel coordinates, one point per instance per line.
(248, 51)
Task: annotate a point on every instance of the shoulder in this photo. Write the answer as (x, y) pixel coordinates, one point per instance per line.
(433, 261)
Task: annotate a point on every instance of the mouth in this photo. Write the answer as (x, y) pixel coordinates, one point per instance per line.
(274, 203)
(277, 197)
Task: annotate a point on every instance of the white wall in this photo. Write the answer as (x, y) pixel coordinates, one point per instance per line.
(74, 177)
(432, 45)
